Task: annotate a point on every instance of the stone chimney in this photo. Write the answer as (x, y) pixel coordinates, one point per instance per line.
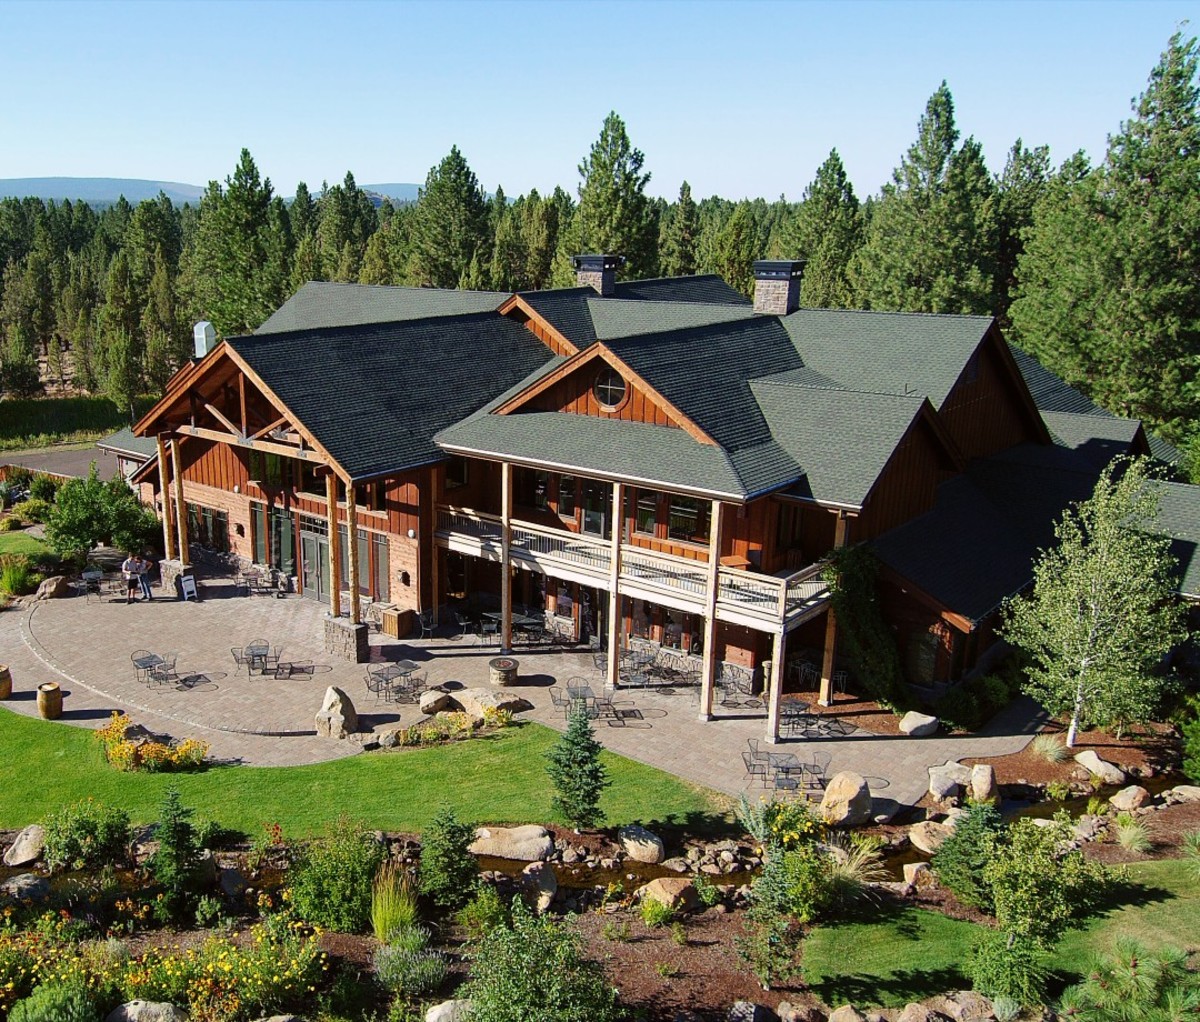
(597, 271)
(777, 286)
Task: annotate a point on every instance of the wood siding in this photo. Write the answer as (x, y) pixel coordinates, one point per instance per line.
(985, 411)
(541, 333)
(908, 484)
(573, 394)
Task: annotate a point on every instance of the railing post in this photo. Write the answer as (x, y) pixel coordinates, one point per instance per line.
(709, 671)
(614, 587)
(505, 557)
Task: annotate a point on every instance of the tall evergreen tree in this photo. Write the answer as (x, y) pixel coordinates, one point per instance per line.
(377, 264)
(579, 777)
(738, 244)
(931, 241)
(539, 235)
(510, 257)
(678, 248)
(614, 213)
(1109, 284)
(826, 232)
(450, 224)
(1024, 181)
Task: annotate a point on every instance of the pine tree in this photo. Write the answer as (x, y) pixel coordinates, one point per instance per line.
(578, 775)
(931, 241)
(377, 264)
(678, 248)
(1024, 181)
(175, 864)
(450, 223)
(738, 244)
(826, 232)
(539, 237)
(510, 257)
(614, 214)
(1109, 284)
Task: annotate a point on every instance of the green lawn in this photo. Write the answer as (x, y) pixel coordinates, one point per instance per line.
(22, 543)
(896, 955)
(499, 778)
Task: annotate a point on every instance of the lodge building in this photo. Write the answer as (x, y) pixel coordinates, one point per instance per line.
(658, 458)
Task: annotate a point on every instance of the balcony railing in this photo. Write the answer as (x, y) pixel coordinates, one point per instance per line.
(741, 595)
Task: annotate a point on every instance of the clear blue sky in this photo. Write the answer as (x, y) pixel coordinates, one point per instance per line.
(739, 98)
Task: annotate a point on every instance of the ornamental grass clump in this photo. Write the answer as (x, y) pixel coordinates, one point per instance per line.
(393, 902)
(1132, 835)
(1050, 747)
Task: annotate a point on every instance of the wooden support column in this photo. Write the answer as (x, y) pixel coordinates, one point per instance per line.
(775, 695)
(164, 487)
(352, 565)
(505, 557)
(708, 674)
(825, 697)
(335, 545)
(613, 668)
(180, 506)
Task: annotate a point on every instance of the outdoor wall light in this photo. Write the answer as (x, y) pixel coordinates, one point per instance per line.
(236, 488)
(412, 533)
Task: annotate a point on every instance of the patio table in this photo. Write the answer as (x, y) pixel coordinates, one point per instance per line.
(257, 654)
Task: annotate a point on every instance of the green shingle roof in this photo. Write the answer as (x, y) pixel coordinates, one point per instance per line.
(1179, 518)
(320, 305)
(374, 395)
(887, 352)
(123, 441)
(616, 317)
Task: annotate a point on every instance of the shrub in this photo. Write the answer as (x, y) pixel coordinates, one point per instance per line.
(779, 823)
(11, 523)
(1191, 853)
(1003, 965)
(616, 931)
(655, 913)
(151, 756)
(86, 834)
(56, 1002)
(16, 575)
(483, 913)
(679, 934)
(393, 902)
(1132, 834)
(43, 488)
(706, 891)
(578, 775)
(1135, 985)
(449, 874)
(960, 862)
(36, 510)
(1050, 747)
(795, 883)
(176, 863)
(497, 718)
(1058, 791)
(1191, 742)
(768, 945)
(407, 968)
(331, 881)
(960, 709)
(537, 969)
(853, 865)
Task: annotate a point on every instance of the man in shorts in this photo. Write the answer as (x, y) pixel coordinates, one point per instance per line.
(129, 569)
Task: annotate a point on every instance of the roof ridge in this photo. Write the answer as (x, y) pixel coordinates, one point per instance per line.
(393, 324)
(897, 312)
(403, 287)
(770, 382)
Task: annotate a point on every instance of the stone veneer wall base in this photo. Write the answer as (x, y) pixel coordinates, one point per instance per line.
(170, 572)
(347, 641)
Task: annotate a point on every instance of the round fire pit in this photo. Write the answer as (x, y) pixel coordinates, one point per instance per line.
(502, 670)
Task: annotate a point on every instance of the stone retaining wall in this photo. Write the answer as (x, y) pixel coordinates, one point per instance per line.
(346, 641)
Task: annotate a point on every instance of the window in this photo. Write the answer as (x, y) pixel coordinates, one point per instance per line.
(609, 388)
(208, 528)
(541, 490)
(566, 496)
(456, 473)
(688, 520)
(364, 572)
(274, 538)
(266, 469)
(597, 501)
(379, 548)
(646, 513)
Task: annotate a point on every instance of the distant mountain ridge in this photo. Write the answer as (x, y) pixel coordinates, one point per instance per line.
(97, 189)
(107, 190)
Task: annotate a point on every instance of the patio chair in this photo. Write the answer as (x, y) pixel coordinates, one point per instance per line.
(240, 658)
(754, 768)
(164, 673)
(489, 632)
(817, 769)
(425, 621)
(559, 701)
(378, 686)
(141, 673)
(462, 624)
(757, 752)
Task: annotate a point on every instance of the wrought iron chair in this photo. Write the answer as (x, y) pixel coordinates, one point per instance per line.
(142, 673)
(754, 767)
(164, 673)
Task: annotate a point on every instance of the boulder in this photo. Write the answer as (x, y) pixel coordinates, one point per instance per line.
(674, 892)
(54, 588)
(640, 844)
(1185, 793)
(914, 1012)
(389, 739)
(1109, 773)
(918, 874)
(918, 725)
(983, 783)
(677, 865)
(928, 837)
(1128, 799)
(475, 700)
(538, 886)
(26, 887)
(964, 1006)
(434, 701)
(847, 1013)
(529, 843)
(337, 717)
(953, 815)
(748, 1011)
(789, 1012)
(449, 1011)
(27, 848)
(847, 801)
(943, 784)
(146, 1011)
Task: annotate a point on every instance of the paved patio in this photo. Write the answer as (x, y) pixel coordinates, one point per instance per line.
(259, 721)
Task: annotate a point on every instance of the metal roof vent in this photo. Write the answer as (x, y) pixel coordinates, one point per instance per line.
(204, 336)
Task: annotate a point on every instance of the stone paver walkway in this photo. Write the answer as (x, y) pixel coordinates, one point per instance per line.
(258, 721)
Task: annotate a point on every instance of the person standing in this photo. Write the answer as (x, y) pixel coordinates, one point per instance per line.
(144, 567)
(129, 569)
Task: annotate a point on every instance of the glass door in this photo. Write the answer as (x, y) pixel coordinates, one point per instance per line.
(314, 558)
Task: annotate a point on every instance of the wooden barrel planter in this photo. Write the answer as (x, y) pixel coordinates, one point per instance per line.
(49, 701)
(5, 681)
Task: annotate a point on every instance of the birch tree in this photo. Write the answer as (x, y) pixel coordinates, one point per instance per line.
(1102, 611)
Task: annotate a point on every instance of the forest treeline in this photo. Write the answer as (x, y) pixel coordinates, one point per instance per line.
(1095, 269)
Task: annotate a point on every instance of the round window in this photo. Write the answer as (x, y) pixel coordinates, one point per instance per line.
(609, 387)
